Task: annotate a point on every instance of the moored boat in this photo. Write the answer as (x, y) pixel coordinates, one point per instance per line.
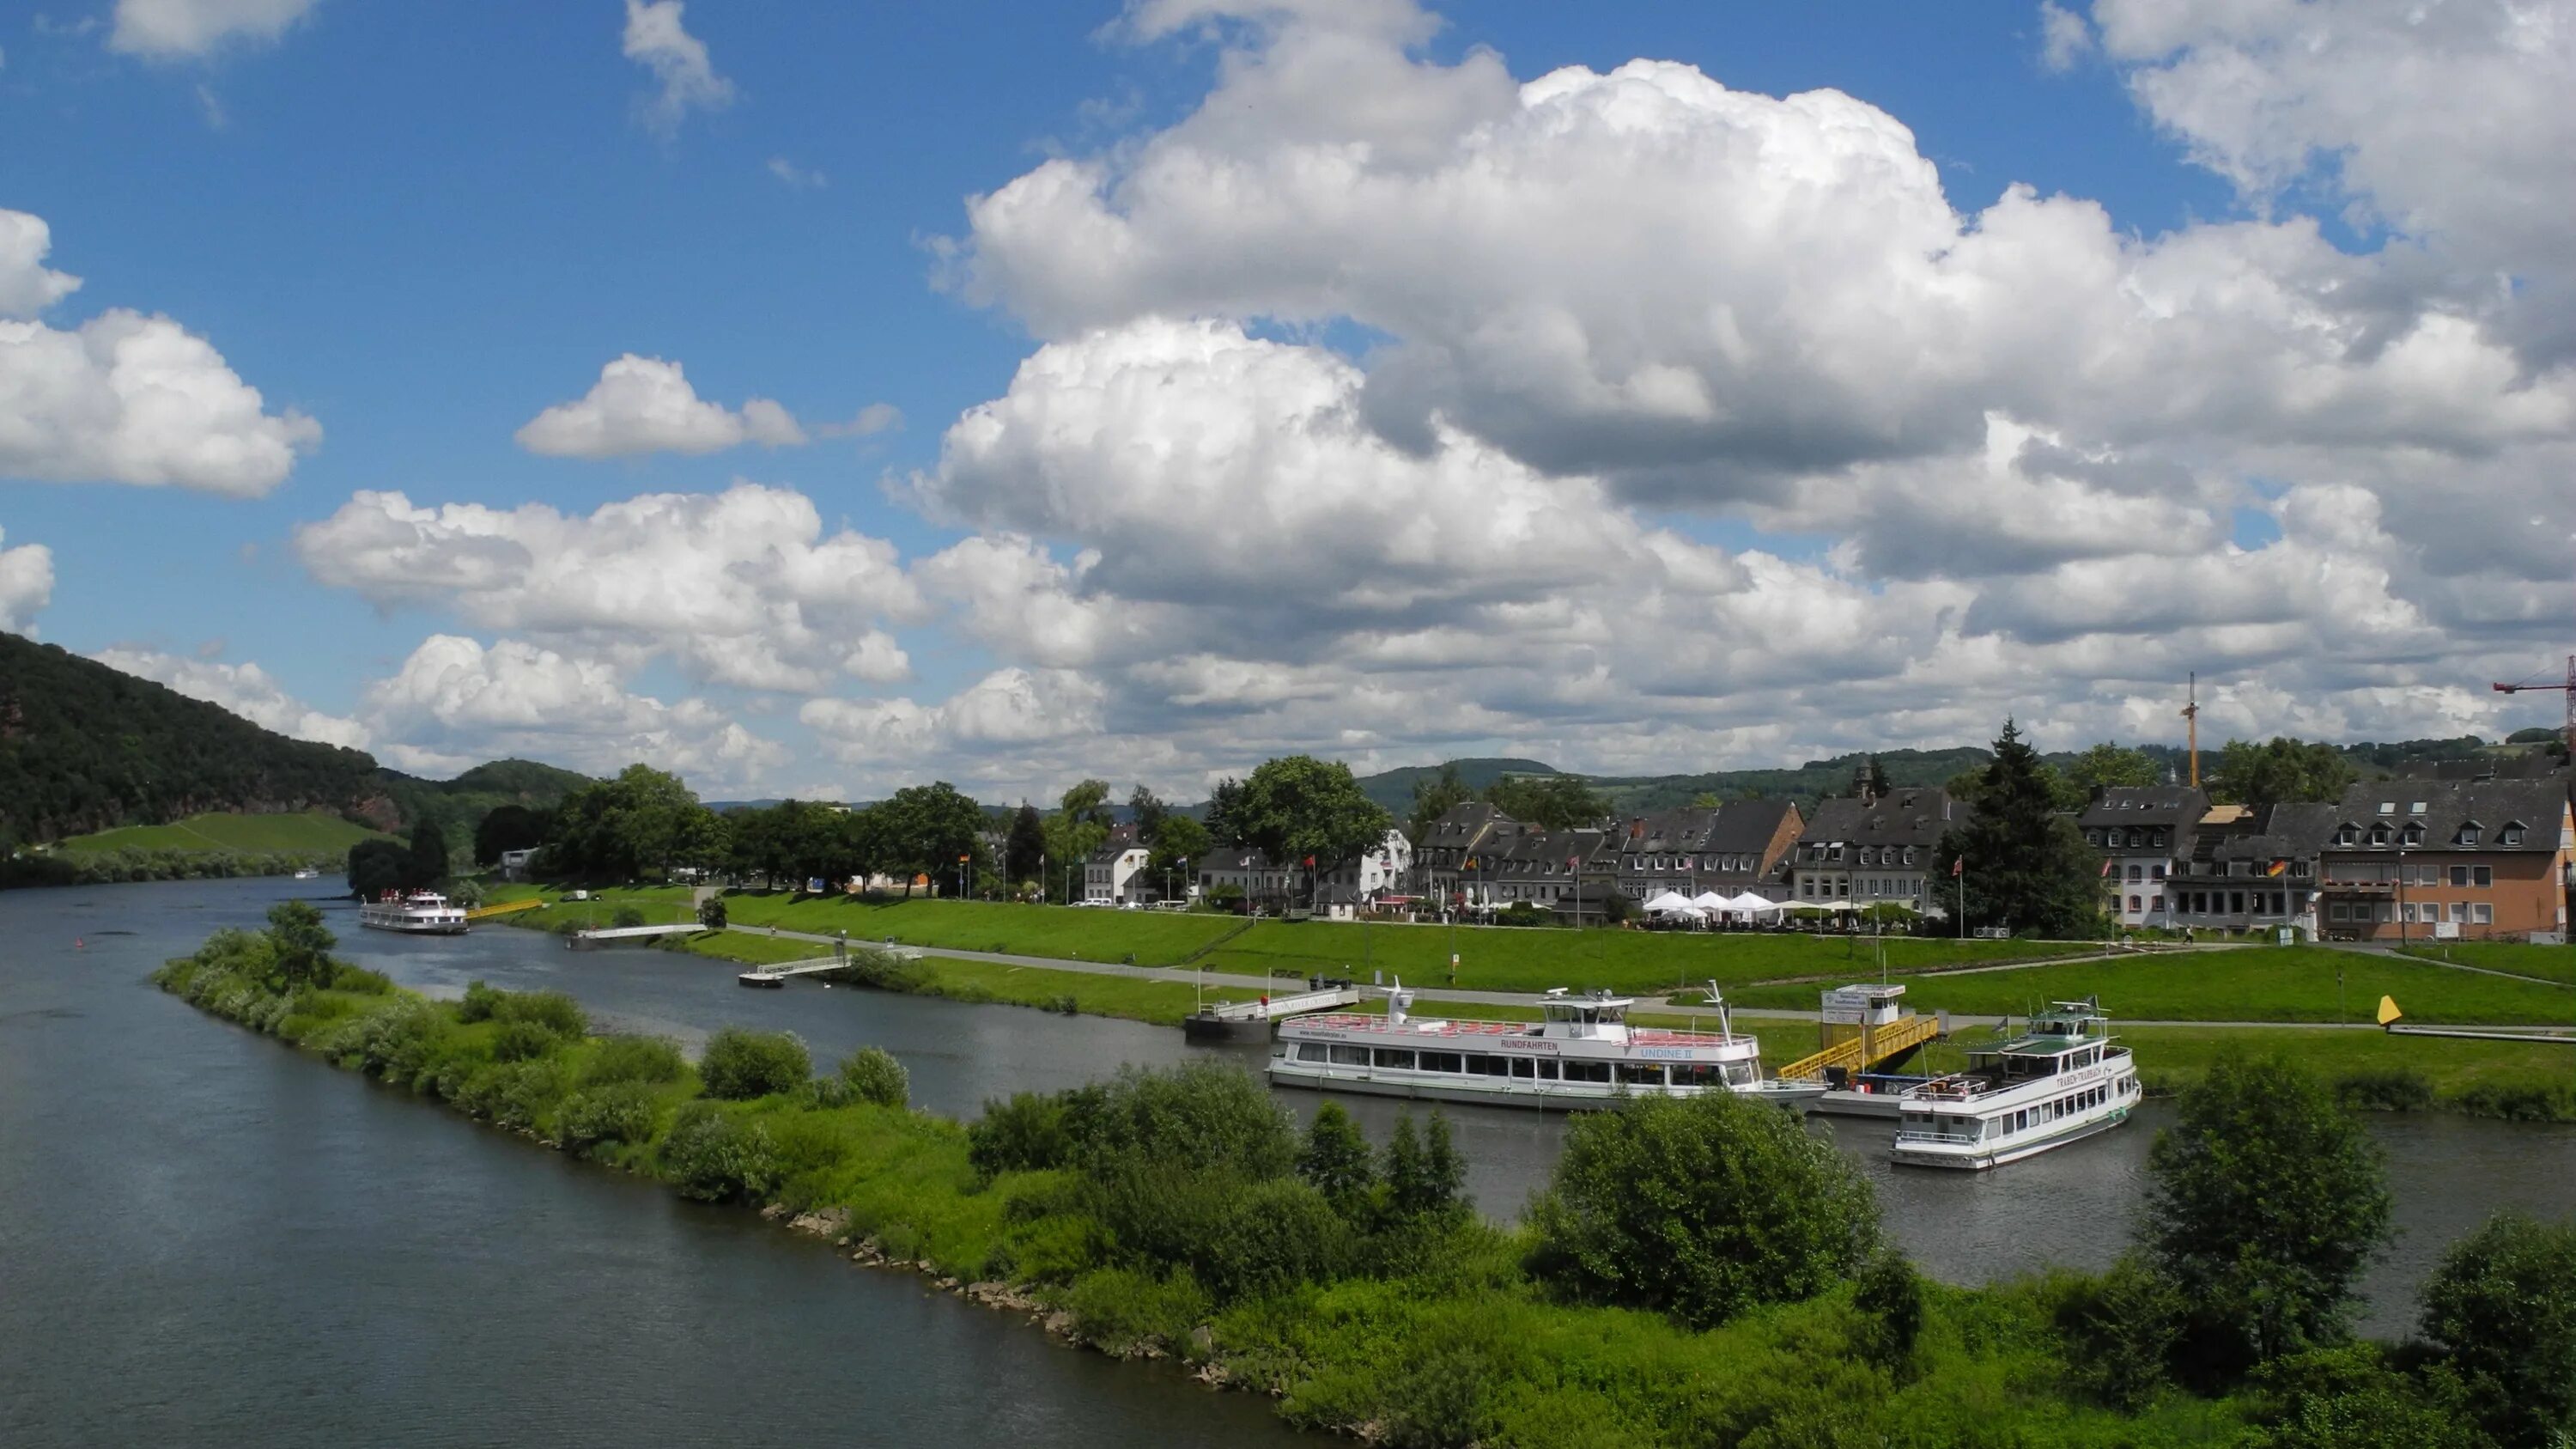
(421, 913)
(2061, 1080)
(1583, 1053)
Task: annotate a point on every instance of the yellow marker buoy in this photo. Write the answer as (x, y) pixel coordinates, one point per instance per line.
(2388, 1011)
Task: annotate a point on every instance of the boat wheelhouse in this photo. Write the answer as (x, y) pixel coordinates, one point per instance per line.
(421, 913)
(1582, 1053)
(2059, 1081)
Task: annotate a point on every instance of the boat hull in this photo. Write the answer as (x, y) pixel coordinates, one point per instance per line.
(416, 928)
(1517, 1092)
(1982, 1157)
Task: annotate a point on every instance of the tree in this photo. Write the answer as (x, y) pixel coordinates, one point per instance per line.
(1088, 804)
(740, 1064)
(428, 862)
(712, 913)
(2279, 769)
(1223, 816)
(2107, 765)
(377, 866)
(1551, 802)
(1300, 809)
(1875, 781)
(926, 828)
(2264, 1202)
(1433, 797)
(1700, 1207)
(1147, 812)
(1025, 846)
(641, 823)
(873, 1075)
(1335, 1158)
(505, 828)
(2027, 865)
(2502, 1308)
(299, 944)
(1180, 841)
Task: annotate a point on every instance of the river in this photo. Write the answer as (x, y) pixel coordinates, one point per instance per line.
(211, 1238)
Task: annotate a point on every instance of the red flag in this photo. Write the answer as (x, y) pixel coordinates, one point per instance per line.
(1958, 865)
(2106, 870)
(1310, 862)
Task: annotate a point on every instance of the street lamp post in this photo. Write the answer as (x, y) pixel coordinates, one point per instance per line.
(2401, 897)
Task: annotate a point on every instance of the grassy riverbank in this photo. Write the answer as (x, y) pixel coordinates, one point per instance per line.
(2548, 963)
(1415, 1325)
(1087, 993)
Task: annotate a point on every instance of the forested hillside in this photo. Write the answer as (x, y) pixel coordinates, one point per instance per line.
(84, 747)
(457, 806)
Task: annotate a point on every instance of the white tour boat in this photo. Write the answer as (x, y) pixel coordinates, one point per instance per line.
(1584, 1054)
(2058, 1082)
(423, 913)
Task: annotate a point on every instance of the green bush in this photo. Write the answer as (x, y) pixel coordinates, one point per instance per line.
(1210, 1114)
(2520, 1102)
(739, 1064)
(2502, 1309)
(519, 1041)
(625, 917)
(1890, 1301)
(609, 1112)
(715, 1157)
(2117, 1331)
(873, 1075)
(2351, 1397)
(1161, 1210)
(1275, 1236)
(886, 971)
(1335, 1158)
(516, 1095)
(479, 1003)
(1023, 1132)
(1126, 1311)
(1700, 1207)
(634, 1059)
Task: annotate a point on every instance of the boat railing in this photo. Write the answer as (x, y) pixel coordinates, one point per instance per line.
(1934, 1134)
(1961, 1088)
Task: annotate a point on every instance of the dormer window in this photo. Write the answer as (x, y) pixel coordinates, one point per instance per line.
(2414, 835)
(2347, 836)
(2379, 835)
(2470, 831)
(2511, 834)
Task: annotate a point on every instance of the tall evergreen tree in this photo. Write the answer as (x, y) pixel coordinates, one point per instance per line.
(1335, 1157)
(428, 865)
(1224, 817)
(1433, 797)
(1025, 845)
(1876, 780)
(2026, 866)
(1146, 811)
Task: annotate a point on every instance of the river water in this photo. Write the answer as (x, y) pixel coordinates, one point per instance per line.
(206, 1238)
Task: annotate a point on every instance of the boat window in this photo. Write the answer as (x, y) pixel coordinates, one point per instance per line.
(1697, 1074)
(1587, 1071)
(1394, 1057)
(1634, 1074)
(1443, 1062)
(1350, 1056)
(1547, 1071)
(1524, 1067)
(1490, 1066)
(1308, 1051)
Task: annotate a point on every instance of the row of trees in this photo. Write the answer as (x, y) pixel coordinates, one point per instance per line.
(1307, 813)
(921, 831)
(1551, 802)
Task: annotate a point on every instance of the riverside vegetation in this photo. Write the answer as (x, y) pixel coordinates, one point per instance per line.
(1699, 1272)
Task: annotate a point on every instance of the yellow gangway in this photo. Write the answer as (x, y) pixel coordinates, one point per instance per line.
(1873, 1045)
(505, 908)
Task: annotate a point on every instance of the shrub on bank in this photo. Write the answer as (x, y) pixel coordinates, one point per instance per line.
(873, 1075)
(739, 1065)
(1023, 1132)
(2392, 1090)
(649, 1059)
(611, 1112)
(714, 1156)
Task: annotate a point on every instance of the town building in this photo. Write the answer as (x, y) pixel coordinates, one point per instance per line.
(1873, 850)
(1385, 869)
(2144, 833)
(515, 864)
(1449, 860)
(1558, 870)
(2248, 868)
(2415, 860)
(1245, 873)
(1730, 849)
(1109, 877)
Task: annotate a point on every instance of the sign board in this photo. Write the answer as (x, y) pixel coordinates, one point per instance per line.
(2283, 936)
(2446, 930)
(1847, 1006)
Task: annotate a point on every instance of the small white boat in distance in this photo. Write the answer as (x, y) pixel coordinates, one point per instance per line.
(308, 873)
(1583, 1054)
(422, 913)
(2060, 1081)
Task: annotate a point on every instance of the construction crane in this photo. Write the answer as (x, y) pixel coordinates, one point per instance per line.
(2569, 687)
(2191, 713)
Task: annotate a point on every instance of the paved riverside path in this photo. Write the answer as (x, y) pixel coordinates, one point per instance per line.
(1187, 977)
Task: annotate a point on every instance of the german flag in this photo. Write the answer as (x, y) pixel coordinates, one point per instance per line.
(2278, 867)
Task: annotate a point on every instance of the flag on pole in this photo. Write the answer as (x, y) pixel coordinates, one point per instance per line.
(2278, 867)
(2106, 870)
(1958, 865)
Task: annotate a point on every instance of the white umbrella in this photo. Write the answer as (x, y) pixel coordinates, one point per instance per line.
(1667, 902)
(1712, 901)
(1750, 901)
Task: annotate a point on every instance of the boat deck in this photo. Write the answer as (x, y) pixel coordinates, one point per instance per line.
(1445, 1027)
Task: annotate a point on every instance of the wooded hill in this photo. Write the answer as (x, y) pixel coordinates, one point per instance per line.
(84, 747)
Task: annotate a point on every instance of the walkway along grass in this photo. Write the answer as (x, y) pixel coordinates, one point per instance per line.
(1177, 1214)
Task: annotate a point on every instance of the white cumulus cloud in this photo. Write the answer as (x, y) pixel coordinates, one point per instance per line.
(26, 584)
(646, 405)
(656, 40)
(129, 398)
(184, 29)
(27, 285)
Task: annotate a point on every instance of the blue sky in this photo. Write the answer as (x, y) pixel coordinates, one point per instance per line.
(422, 226)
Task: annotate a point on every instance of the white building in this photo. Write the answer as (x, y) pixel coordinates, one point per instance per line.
(1383, 869)
(1109, 877)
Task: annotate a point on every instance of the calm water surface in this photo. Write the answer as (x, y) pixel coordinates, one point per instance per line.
(209, 1239)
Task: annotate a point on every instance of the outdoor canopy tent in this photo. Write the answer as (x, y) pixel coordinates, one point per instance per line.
(1752, 902)
(1669, 901)
(1712, 901)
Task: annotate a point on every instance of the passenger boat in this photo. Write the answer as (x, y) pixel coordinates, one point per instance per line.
(1582, 1054)
(2059, 1081)
(308, 873)
(422, 913)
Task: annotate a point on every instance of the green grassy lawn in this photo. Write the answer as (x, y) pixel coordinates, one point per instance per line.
(2174, 1057)
(2256, 983)
(659, 905)
(1165, 1002)
(2549, 963)
(1153, 938)
(1507, 958)
(310, 833)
